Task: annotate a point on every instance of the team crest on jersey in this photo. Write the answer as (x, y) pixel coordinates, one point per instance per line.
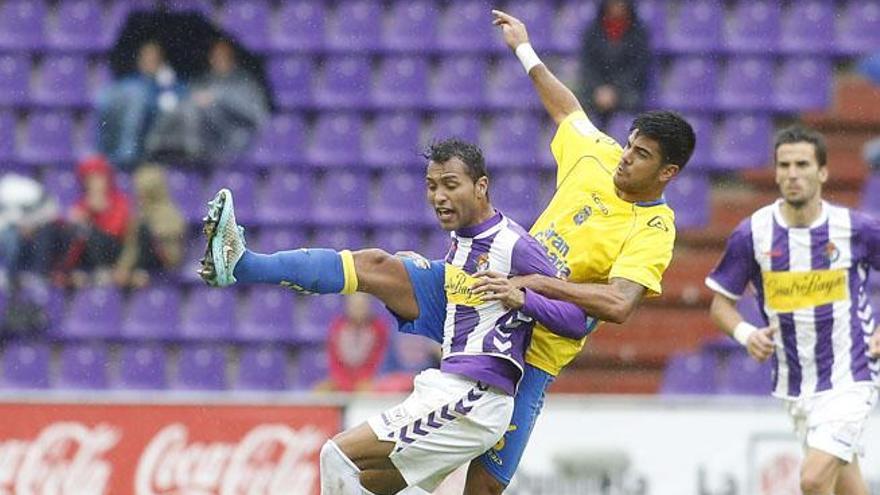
(482, 263)
(582, 216)
(832, 252)
(658, 223)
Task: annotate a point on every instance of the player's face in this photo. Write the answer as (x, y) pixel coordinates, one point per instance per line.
(798, 173)
(455, 197)
(641, 167)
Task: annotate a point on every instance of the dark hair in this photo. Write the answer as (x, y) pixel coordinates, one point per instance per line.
(469, 154)
(799, 134)
(671, 131)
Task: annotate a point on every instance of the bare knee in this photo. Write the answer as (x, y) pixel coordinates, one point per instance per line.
(371, 259)
(814, 482)
(480, 482)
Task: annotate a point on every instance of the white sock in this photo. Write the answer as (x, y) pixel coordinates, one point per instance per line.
(413, 490)
(339, 476)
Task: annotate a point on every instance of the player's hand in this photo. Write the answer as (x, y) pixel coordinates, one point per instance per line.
(493, 286)
(761, 344)
(874, 344)
(513, 29)
(418, 259)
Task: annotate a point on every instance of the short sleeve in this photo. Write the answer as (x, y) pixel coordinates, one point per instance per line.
(737, 265)
(646, 255)
(575, 137)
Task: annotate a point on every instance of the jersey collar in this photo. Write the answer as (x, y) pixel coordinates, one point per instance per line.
(476, 230)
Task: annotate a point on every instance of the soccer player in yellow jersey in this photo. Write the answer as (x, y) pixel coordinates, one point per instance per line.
(608, 230)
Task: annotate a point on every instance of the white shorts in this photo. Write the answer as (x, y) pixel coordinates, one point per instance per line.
(447, 421)
(833, 421)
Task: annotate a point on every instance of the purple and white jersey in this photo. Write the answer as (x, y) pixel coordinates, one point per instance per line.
(484, 340)
(811, 282)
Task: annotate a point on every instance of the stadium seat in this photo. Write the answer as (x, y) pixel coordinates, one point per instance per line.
(153, 313)
(194, 250)
(536, 16)
(298, 25)
(463, 27)
(94, 313)
(402, 82)
(267, 315)
(571, 20)
(704, 129)
(342, 199)
(510, 89)
(335, 140)
(753, 27)
(339, 238)
(806, 26)
(344, 83)
(83, 366)
(511, 141)
(26, 365)
(744, 376)
(243, 187)
(248, 21)
(401, 200)
(448, 125)
(203, 7)
(746, 83)
(411, 26)
(856, 30)
(62, 81)
(314, 318)
(696, 27)
(803, 84)
(280, 239)
(393, 140)
(262, 368)
(286, 198)
(142, 367)
(355, 26)
(74, 27)
(689, 84)
(281, 143)
(48, 139)
(742, 141)
(22, 25)
(395, 239)
(15, 75)
(459, 84)
(209, 315)
(690, 374)
(188, 194)
(515, 193)
(50, 299)
(618, 127)
(7, 136)
(689, 195)
(311, 367)
(437, 243)
(654, 15)
(290, 77)
(201, 367)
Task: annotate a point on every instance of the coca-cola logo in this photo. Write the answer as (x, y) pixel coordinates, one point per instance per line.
(65, 458)
(271, 459)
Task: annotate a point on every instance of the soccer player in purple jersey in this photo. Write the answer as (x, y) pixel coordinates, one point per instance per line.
(808, 262)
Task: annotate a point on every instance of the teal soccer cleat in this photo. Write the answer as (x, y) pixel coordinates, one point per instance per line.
(226, 242)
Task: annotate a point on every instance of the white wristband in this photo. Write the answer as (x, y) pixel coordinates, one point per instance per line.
(743, 331)
(527, 56)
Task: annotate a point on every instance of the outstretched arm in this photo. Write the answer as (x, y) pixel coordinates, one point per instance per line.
(558, 100)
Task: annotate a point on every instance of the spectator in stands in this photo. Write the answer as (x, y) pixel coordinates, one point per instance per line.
(126, 108)
(154, 242)
(407, 356)
(614, 68)
(30, 228)
(98, 223)
(218, 120)
(356, 346)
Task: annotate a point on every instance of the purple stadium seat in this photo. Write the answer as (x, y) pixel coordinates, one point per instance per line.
(537, 17)
(742, 141)
(21, 25)
(48, 139)
(745, 376)
(746, 84)
(262, 368)
(201, 367)
(568, 28)
(62, 81)
(290, 77)
(689, 84)
(74, 27)
(142, 367)
(857, 27)
(704, 129)
(516, 194)
(618, 127)
(463, 126)
(26, 365)
(696, 27)
(437, 244)
(690, 374)
(396, 239)
(50, 299)
(95, 313)
(355, 26)
(311, 367)
(401, 83)
(463, 28)
(85, 138)
(803, 84)
(281, 143)
(336, 140)
(267, 315)
(509, 88)
(654, 15)
(188, 194)
(7, 136)
(203, 7)
(512, 141)
(460, 84)
(753, 27)
(15, 74)
(83, 366)
(344, 83)
(689, 195)
(401, 200)
(286, 198)
(339, 238)
(410, 26)
(298, 26)
(393, 140)
(275, 239)
(194, 250)
(153, 313)
(315, 316)
(209, 315)
(243, 187)
(806, 26)
(247, 20)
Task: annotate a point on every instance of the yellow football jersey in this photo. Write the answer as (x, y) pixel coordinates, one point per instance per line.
(592, 235)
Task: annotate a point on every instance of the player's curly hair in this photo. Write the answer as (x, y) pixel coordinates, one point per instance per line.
(798, 133)
(671, 131)
(470, 154)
